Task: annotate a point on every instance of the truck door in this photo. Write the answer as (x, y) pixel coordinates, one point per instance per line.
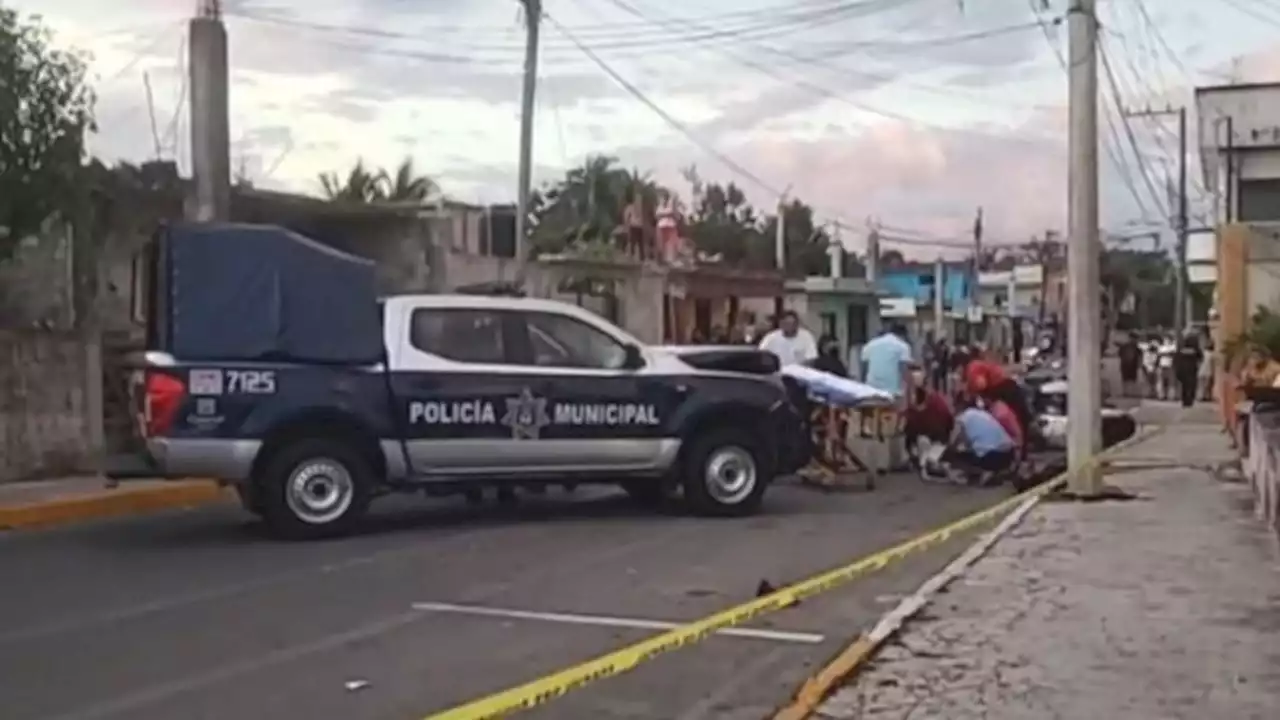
(604, 414)
(455, 384)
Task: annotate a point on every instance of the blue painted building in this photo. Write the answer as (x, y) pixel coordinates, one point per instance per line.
(916, 281)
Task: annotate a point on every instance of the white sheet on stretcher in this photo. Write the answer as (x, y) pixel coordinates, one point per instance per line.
(835, 390)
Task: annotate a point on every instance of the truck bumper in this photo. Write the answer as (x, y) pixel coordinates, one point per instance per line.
(217, 459)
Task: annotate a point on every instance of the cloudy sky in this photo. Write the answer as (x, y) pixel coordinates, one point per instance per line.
(912, 111)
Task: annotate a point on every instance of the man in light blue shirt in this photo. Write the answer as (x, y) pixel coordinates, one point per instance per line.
(980, 443)
(886, 360)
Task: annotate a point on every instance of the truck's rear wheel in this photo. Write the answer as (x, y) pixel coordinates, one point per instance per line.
(724, 473)
(316, 487)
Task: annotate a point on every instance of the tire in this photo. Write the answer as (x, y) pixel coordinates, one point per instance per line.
(724, 473)
(315, 488)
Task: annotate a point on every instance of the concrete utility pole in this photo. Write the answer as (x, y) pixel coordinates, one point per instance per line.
(210, 133)
(1083, 319)
(975, 268)
(1011, 308)
(528, 97)
(1181, 309)
(780, 233)
(939, 280)
(873, 253)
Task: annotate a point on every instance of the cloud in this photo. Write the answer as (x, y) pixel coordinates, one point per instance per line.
(440, 80)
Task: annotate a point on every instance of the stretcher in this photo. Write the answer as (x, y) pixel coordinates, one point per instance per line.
(840, 410)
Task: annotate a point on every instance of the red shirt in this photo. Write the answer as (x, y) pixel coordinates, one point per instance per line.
(933, 418)
(982, 375)
(1008, 420)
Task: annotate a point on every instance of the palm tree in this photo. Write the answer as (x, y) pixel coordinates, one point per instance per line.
(367, 185)
(360, 185)
(408, 186)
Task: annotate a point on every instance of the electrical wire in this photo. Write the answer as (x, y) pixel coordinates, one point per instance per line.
(822, 60)
(811, 87)
(1111, 142)
(657, 109)
(787, 24)
(757, 16)
(1118, 101)
(139, 56)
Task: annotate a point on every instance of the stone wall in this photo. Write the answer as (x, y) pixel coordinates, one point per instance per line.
(50, 404)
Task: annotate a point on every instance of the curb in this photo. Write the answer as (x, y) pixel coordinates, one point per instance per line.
(111, 503)
(847, 663)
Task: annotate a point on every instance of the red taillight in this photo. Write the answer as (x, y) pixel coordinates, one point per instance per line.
(163, 395)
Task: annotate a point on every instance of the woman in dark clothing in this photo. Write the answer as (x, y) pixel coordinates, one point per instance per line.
(1186, 368)
(829, 359)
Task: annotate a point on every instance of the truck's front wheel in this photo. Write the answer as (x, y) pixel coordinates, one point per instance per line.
(725, 473)
(314, 488)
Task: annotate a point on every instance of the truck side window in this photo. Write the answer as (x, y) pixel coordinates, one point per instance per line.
(459, 334)
(564, 341)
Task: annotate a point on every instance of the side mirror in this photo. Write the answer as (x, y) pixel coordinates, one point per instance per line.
(634, 359)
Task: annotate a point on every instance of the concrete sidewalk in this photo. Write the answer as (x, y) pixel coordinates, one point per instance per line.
(43, 503)
(1167, 606)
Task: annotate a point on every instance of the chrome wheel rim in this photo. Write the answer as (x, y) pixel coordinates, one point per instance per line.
(731, 475)
(319, 491)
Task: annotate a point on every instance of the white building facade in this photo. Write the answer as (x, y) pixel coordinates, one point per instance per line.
(1239, 145)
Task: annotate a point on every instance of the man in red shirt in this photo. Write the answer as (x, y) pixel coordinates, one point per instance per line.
(928, 416)
(988, 380)
(1008, 420)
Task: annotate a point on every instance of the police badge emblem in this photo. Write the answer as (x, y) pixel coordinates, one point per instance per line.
(526, 416)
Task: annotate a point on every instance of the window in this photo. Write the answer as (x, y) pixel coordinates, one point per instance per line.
(459, 334)
(828, 324)
(1259, 200)
(856, 324)
(563, 341)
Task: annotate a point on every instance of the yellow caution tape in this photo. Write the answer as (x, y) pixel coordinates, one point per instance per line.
(550, 687)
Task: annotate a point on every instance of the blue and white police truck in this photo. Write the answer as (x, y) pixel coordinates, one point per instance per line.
(273, 366)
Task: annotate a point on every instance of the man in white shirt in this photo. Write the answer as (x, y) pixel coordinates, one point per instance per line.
(790, 343)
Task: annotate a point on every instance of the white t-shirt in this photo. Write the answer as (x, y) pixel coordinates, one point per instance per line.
(795, 350)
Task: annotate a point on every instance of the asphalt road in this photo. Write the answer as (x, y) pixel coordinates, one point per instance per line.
(197, 615)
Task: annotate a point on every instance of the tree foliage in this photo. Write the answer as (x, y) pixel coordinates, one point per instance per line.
(364, 184)
(46, 110)
(586, 207)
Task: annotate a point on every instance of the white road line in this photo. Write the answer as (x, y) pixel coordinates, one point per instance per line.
(607, 621)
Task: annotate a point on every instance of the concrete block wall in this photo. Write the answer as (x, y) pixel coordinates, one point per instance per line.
(50, 404)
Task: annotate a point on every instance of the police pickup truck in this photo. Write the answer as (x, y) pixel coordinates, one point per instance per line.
(273, 366)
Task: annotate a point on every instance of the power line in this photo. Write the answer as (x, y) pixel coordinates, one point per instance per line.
(1118, 101)
(658, 110)
(1111, 143)
(788, 24)
(802, 83)
(766, 16)
(822, 59)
